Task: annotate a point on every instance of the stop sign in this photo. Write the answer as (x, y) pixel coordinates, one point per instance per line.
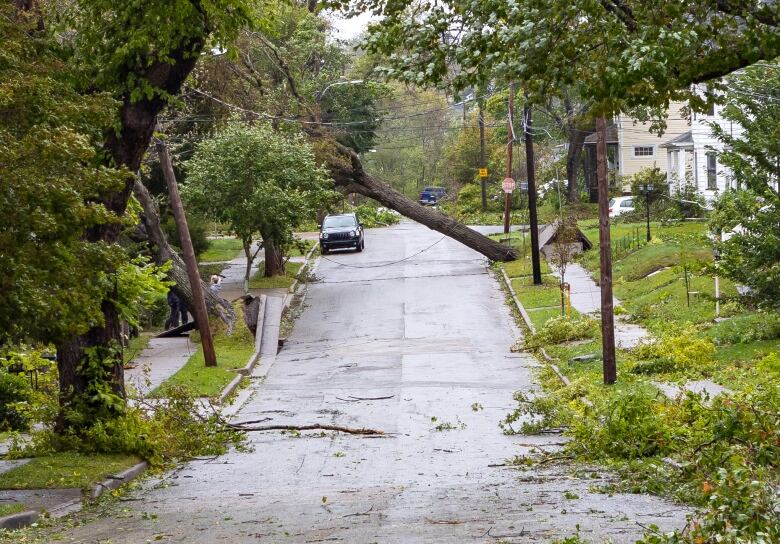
(508, 185)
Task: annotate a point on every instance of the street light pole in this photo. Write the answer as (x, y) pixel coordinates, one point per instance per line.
(647, 189)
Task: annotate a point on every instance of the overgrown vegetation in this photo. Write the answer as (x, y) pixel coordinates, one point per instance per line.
(720, 454)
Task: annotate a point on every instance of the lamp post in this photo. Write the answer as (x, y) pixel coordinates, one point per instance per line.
(647, 189)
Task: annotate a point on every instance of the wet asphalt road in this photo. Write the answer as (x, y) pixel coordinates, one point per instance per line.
(433, 334)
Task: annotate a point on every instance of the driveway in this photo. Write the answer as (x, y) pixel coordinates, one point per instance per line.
(419, 349)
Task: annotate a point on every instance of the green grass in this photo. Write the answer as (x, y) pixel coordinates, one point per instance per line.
(259, 281)
(135, 346)
(296, 252)
(12, 508)
(65, 470)
(233, 352)
(221, 249)
(208, 270)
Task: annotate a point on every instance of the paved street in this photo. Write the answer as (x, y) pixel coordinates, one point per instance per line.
(432, 333)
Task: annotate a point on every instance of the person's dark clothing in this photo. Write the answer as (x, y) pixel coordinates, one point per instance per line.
(174, 304)
(183, 310)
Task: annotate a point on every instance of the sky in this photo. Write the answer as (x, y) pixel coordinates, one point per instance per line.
(346, 29)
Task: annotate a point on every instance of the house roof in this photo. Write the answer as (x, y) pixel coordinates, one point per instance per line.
(612, 136)
(683, 140)
(547, 234)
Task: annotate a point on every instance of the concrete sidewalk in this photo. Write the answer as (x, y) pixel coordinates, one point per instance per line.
(586, 299)
(158, 362)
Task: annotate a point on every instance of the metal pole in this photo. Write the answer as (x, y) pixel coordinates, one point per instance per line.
(532, 218)
(509, 146)
(201, 315)
(607, 310)
(647, 205)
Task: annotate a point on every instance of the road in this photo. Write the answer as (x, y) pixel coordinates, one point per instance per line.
(433, 334)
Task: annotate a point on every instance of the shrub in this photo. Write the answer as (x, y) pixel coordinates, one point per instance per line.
(747, 328)
(770, 365)
(371, 216)
(15, 396)
(673, 351)
(562, 329)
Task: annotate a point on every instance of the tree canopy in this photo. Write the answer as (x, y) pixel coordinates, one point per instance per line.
(751, 255)
(256, 179)
(618, 53)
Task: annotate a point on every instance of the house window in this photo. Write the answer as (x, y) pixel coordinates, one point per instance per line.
(712, 172)
(641, 151)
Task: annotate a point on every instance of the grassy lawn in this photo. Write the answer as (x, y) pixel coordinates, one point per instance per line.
(296, 252)
(208, 270)
(232, 352)
(12, 508)
(259, 281)
(62, 470)
(135, 346)
(221, 249)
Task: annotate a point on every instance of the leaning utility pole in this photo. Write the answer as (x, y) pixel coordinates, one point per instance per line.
(510, 144)
(201, 315)
(532, 217)
(482, 179)
(607, 310)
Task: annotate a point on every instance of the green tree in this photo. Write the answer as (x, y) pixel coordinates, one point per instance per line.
(50, 179)
(751, 212)
(256, 179)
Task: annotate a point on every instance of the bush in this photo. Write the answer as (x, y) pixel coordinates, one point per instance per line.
(746, 328)
(160, 436)
(371, 216)
(673, 351)
(562, 329)
(15, 396)
(198, 227)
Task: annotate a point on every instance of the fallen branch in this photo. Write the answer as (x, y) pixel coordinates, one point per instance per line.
(350, 398)
(314, 427)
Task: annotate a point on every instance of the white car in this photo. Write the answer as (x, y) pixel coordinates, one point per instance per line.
(620, 205)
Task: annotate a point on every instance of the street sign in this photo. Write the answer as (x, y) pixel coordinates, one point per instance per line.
(483, 172)
(508, 185)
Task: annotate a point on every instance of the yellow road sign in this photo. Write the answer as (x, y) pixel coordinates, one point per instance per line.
(483, 172)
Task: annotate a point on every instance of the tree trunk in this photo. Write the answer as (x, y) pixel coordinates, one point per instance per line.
(574, 153)
(126, 148)
(274, 260)
(347, 171)
(163, 252)
(249, 260)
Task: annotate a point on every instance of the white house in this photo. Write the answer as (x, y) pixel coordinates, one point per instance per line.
(692, 157)
(686, 152)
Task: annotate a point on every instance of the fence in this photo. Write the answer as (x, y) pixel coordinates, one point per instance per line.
(629, 242)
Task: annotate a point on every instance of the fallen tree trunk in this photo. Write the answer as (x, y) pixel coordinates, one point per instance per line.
(347, 171)
(163, 252)
(314, 427)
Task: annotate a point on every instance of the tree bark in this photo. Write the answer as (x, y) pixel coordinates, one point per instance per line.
(126, 148)
(573, 155)
(163, 253)
(274, 260)
(347, 171)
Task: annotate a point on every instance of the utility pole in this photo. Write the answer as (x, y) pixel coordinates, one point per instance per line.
(482, 179)
(607, 310)
(201, 315)
(532, 217)
(510, 144)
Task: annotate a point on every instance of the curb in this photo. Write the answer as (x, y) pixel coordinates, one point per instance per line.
(531, 327)
(19, 520)
(28, 517)
(517, 302)
(118, 480)
(288, 298)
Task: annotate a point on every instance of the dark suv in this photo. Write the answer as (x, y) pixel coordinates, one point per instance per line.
(430, 196)
(341, 231)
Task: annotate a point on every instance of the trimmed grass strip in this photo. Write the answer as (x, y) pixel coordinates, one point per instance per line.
(65, 470)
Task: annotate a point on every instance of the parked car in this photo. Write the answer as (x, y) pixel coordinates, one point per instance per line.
(340, 232)
(620, 205)
(431, 195)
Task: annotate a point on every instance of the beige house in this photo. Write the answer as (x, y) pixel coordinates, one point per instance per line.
(632, 146)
